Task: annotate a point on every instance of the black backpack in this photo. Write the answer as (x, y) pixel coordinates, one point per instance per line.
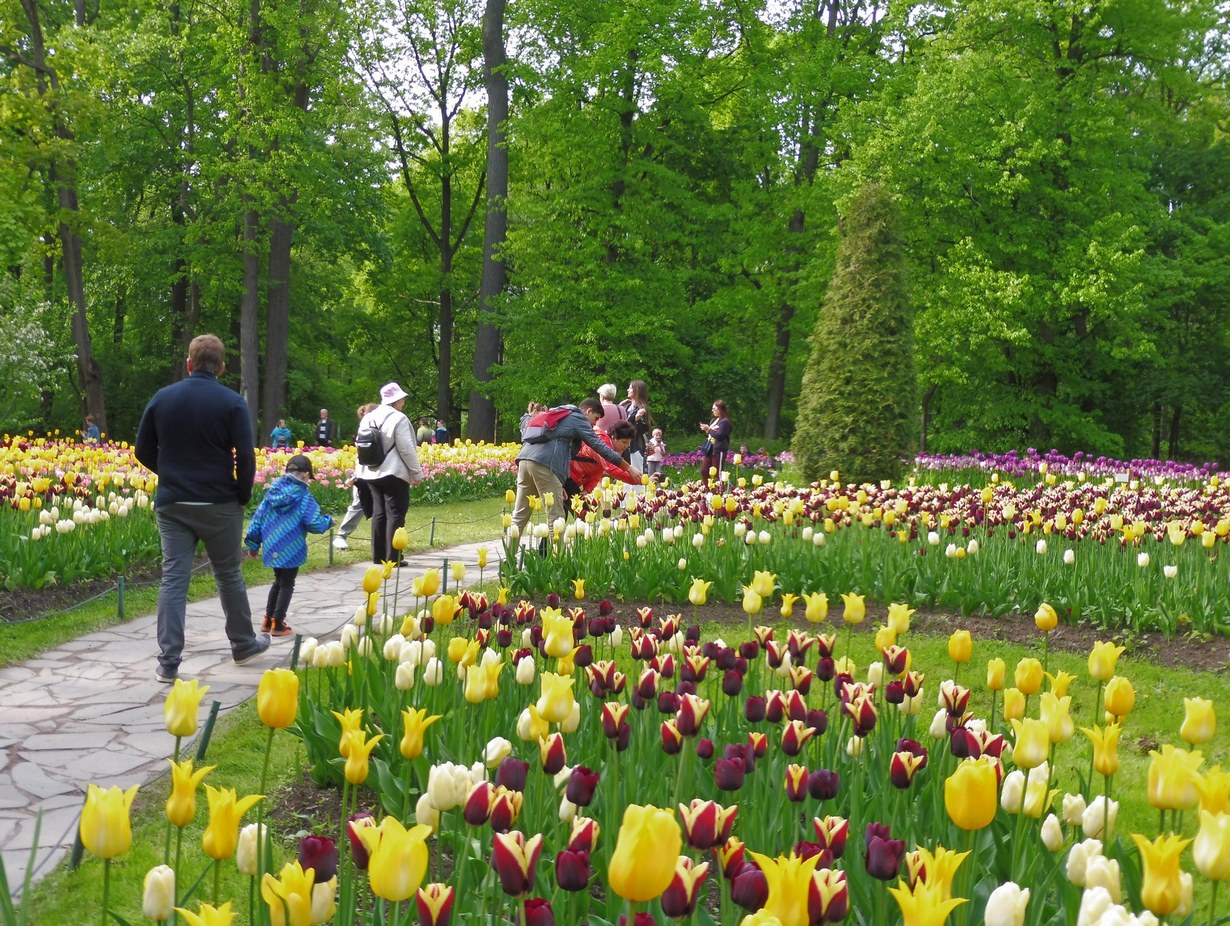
(369, 444)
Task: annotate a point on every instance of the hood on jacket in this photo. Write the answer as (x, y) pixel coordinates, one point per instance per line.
(284, 495)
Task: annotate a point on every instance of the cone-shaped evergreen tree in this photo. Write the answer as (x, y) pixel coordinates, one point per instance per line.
(858, 404)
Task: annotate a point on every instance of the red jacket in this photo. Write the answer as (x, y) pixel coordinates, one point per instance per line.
(587, 468)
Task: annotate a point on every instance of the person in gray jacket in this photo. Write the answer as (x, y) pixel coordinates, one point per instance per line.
(543, 467)
(388, 485)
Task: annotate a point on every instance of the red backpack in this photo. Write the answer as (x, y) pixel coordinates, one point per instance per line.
(540, 428)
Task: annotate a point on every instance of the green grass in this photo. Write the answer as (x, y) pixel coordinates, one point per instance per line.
(454, 523)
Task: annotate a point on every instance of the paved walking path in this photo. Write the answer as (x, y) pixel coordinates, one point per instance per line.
(91, 711)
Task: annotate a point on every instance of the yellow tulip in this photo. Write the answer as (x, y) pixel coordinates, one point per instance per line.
(970, 794)
(182, 707)
(997, 671)
(1061, 681)
(763, 583)
(427, 584)
(698, 594)
(899, 617)
(105, 828)
(960, 646)
(886, 638)
(289, 895)
(181, 805)
(1161, 890)
(481, 553)
(557, 636)
(1213, 787)
(1172, 778)
(415, 723)
(1105, 747)
(1211, 849)
(350, 719)
(397, 858)
(225, 810)
(401, 540)
(475, 689)
(1014, 704)
(789, 878)
(923, 904)
(555, 703)
(1199, 721)
(1102, 660)
(817, 606)
(1119, 697)
(1056, 713)
(1045, 618)
(941, 867)
(501, 595)
(643, 863)
(855, 608)
(1032, 743)
(788, 601)
(208, 915)
(752, 602)
(386, 572)
(1028, 676)
(277, 698)
(372, 579)
(444, 609)
(578, 589)
(509, 496)
(358, 751)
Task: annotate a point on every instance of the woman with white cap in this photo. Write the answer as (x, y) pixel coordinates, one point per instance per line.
(387, 480)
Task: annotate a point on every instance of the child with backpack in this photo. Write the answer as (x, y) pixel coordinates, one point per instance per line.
(283, 519)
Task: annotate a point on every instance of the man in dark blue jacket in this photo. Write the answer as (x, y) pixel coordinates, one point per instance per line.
(196, 435)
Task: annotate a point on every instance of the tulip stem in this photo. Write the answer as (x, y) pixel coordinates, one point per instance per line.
(1213, 902)
(106, 888)
(217, 879)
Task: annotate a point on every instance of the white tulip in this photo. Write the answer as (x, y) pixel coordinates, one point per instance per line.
(403, 678)
(1052, 833)
(1006, 905)
(1097, 815)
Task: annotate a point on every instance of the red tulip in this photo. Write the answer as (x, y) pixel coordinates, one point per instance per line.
(515, 859)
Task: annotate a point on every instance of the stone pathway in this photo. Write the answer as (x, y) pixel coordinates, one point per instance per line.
(91, 711)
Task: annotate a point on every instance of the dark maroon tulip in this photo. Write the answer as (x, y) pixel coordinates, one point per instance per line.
(754, 708)
(692, 633)
(775, 707)
(728, 775)
(538, 912)
(823, 784)
(704, 748)
(604, 608)
(512, 773)
(581, 786)
(805, 850)
(584, 656)
(825, 668)
(749, 649)
(818, 720)
(572, 870)
(726, 658)
(624, 739)
(732, 683)
(668, 702)
(883, 857)
(685, 687)
(641, 919)
(894, 692)
(638, 702)
(963, 745)
(748, 888)
(318, 853)
(553, 600)
(597, 626)
(428, 624)
(504, 637)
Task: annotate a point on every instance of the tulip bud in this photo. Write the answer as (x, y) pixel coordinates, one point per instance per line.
(1006, 905)
(246, 850)
(1098, 820)
(1052, 833)
(158, 898)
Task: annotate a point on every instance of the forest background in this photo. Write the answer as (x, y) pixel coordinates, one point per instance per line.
(495, 204)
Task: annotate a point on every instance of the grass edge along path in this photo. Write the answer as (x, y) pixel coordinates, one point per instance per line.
(429, 526)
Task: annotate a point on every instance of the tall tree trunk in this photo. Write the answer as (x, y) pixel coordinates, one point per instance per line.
(277, 317)
(64, 177)
(444, 372)
(487, 342)
(249, 302)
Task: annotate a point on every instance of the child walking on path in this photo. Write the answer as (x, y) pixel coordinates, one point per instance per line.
(283, 519)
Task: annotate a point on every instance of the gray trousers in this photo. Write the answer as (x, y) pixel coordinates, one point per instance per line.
(220, 527)
(352, 517)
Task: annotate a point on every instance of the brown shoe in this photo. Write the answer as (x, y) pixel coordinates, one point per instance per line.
(281, 630)
(267, 624)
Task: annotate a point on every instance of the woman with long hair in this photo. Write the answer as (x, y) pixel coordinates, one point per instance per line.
(717, 443)
(636, 406)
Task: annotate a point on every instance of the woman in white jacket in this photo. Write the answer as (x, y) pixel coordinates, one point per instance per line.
(388, 484)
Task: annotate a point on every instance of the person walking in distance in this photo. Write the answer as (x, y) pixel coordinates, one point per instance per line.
(196, 436)
(354, 514)
(389, 478)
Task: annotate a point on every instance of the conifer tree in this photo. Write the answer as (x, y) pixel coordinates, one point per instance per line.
(858, 404)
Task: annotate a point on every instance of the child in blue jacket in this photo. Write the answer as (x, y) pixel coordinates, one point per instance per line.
(283, 519)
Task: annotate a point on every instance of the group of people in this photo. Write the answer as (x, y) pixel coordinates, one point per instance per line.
(596, 438)
(326, 432)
